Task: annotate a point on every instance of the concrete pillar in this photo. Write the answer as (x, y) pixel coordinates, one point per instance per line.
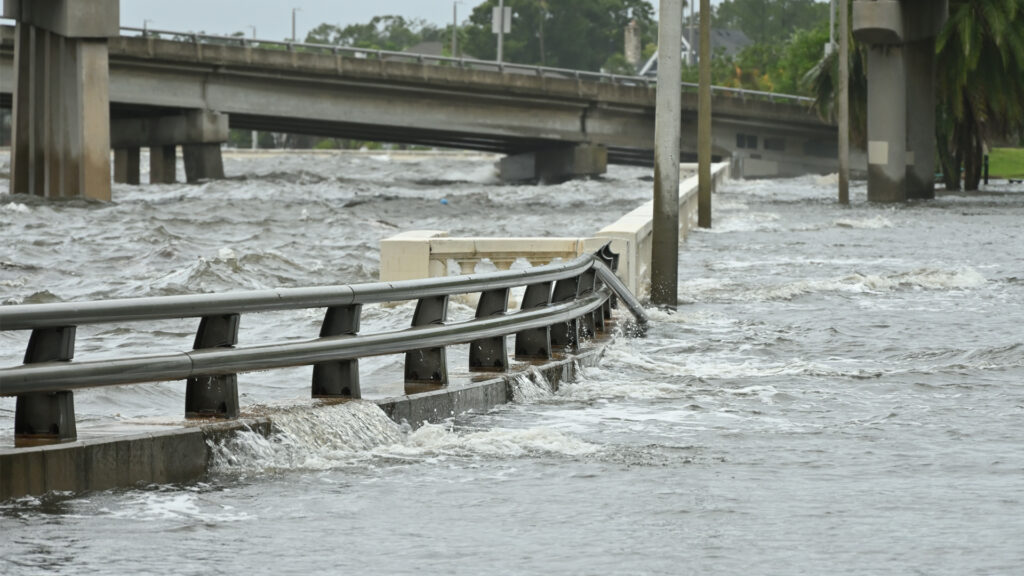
(920, 66)
(887, 124)
(555, 165)
(163, 164)
(901, 94)
(126, 166)
(61, 128)
(202, 162)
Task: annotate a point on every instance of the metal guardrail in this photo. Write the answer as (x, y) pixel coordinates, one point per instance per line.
(541, 71)
(562, 304)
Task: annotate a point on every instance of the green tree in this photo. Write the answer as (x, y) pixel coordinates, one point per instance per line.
(380, 33)
(768, 21)
(980, 84)
(772, 67)
(576, 34)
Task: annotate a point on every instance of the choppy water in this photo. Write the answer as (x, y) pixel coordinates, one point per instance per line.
(840, 391)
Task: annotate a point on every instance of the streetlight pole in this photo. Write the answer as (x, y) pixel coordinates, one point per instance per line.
(254, 136)
(668, 112)
(455, 29)
(501, 30)
(145, 27)
(294, 10)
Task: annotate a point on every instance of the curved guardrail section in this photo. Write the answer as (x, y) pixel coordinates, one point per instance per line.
(543, 71)
(563, 303)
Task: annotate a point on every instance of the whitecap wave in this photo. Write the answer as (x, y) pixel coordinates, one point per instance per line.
(875, 223)
(714, 290)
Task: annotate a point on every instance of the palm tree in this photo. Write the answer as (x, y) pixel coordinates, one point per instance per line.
(823, 81)
(980, 84)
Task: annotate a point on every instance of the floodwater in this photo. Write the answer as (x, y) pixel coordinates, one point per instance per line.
(840, 392)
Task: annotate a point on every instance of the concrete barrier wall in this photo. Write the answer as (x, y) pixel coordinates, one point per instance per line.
(430, 253)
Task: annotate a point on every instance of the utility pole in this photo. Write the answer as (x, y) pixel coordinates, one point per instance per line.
(844, 104)
(690, 56)
(254, 136)
(543, 17)
(294, 10)
(665, 240)
(704, 120)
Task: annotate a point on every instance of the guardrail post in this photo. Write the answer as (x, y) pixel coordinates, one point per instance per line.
(338, 379)
(535, 343)
(214, 396)
(566, 335)
(47, 417)
(428, 365)
(490, 354)
(611, 260)
(588, 322)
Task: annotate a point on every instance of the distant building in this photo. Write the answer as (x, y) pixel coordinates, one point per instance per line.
(724, 42)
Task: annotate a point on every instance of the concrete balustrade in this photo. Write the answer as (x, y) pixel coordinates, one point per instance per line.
(427, 253)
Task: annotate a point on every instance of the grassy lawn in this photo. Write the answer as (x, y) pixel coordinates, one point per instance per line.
(1006, 163)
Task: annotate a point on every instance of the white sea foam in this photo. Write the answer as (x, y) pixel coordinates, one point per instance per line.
(442, 440)
(316, 439)
(874, 223)
(530, 387)
(173, 504)
(15, 208)
(356, 432)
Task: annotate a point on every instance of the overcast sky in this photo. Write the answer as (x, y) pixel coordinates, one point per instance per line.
(273, 18)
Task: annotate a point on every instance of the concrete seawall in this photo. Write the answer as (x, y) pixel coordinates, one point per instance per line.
(182, 455)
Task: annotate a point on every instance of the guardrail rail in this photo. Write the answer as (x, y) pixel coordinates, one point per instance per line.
(562, 304)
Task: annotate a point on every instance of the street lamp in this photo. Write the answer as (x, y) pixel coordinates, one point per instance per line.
(145, 27)
(455, 28)
(294, 10)
(253, 31)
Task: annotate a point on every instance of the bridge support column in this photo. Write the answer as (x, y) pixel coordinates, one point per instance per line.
(901, 94)
(555, 165)
(203, 162)
(199, 132)
(887, 124)
(163, 164)
(127, 166)
(920, 65)
(61, 129)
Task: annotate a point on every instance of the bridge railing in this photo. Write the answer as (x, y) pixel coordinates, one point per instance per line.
(562, 304)
(504, 67)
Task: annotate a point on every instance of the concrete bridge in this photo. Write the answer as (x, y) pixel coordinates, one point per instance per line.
(552, 125)
(77, 75)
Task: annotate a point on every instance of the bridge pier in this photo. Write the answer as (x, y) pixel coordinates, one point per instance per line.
(901, 94)
(199, 132)
(127, 165)
(555, 165)
(162, 164)
(203, 162)
(61, 128)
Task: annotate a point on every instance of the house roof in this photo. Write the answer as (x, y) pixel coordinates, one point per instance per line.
(723, 41)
